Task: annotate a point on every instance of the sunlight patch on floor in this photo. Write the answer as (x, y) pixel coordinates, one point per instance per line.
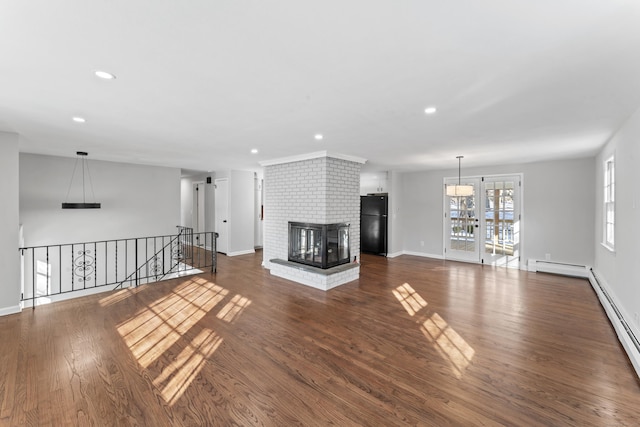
(176, 378)
(233, 308)
(449, 343)
(158, 326)
(166, 327)
(409, 298)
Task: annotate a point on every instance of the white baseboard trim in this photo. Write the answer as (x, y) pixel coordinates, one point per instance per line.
(249, 251)
(423, 254)
(5, 311)
(627, 336)
(395, 254)
(44, 300)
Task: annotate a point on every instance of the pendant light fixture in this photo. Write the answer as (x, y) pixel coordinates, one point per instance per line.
(459, 190)
(82, 156)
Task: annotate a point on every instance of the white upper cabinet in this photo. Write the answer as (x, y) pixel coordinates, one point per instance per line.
(374, 182)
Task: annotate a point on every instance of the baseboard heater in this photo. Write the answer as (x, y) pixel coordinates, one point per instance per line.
(625, 334)
(554, 267)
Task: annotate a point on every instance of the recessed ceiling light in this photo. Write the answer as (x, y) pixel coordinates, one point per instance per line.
(78, 119)
(430, 110)
(105, 75)
(318, 136)
(254, 151)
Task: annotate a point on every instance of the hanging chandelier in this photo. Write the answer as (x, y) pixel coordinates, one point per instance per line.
(459, 190)
(82, 156)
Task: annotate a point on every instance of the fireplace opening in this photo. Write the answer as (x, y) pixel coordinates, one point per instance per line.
(319, 245)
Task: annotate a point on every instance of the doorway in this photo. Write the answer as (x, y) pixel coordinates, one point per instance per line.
(222, 214)
(486, 226)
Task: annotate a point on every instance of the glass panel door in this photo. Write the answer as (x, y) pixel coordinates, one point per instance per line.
(501, 221)
(462, 240)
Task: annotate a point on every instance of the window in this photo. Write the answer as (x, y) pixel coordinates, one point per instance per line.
(609, 203)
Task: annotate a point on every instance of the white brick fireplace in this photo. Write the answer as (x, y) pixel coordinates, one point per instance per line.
(320, 188)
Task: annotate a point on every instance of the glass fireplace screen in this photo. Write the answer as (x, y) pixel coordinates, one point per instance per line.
(319, 245)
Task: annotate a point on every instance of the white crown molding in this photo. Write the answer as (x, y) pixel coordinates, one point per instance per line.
(310, 156)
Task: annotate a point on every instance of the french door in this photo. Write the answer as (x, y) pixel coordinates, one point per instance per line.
(462, 223)
(485, 227)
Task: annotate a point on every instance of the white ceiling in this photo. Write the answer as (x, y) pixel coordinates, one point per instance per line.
(201, 83)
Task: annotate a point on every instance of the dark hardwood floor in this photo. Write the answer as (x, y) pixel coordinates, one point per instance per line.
(413, 342)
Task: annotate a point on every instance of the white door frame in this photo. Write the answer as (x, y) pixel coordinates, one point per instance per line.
(222, 218)
(198, 211)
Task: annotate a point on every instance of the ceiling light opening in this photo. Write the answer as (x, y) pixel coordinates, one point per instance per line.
(105, 75)
(430, 110)
(254, 151)
(79, 119)
(318, 136)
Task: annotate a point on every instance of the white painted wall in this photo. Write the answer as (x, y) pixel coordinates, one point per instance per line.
(395, 227)
(186, 201)
(558, 214)
(9, 224)
(136, 201)
(257, 232)
(223, 174)
(619, 269)
(241, 212)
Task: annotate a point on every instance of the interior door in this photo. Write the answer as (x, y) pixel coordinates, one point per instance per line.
(462, 223)
(500, 223)
(222, 214)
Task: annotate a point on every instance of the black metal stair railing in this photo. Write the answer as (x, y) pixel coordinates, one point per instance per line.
(54, 270)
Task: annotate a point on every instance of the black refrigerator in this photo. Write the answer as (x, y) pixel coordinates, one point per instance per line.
(373, 224)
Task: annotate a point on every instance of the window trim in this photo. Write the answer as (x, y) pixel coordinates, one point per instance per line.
(609, 204)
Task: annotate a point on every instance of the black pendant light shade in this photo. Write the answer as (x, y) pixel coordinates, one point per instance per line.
(80, 205)
(82, 155)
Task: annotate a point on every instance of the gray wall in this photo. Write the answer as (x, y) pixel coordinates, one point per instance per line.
(136, 201)
(619, 269)
(557, 209)
(9, 220)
